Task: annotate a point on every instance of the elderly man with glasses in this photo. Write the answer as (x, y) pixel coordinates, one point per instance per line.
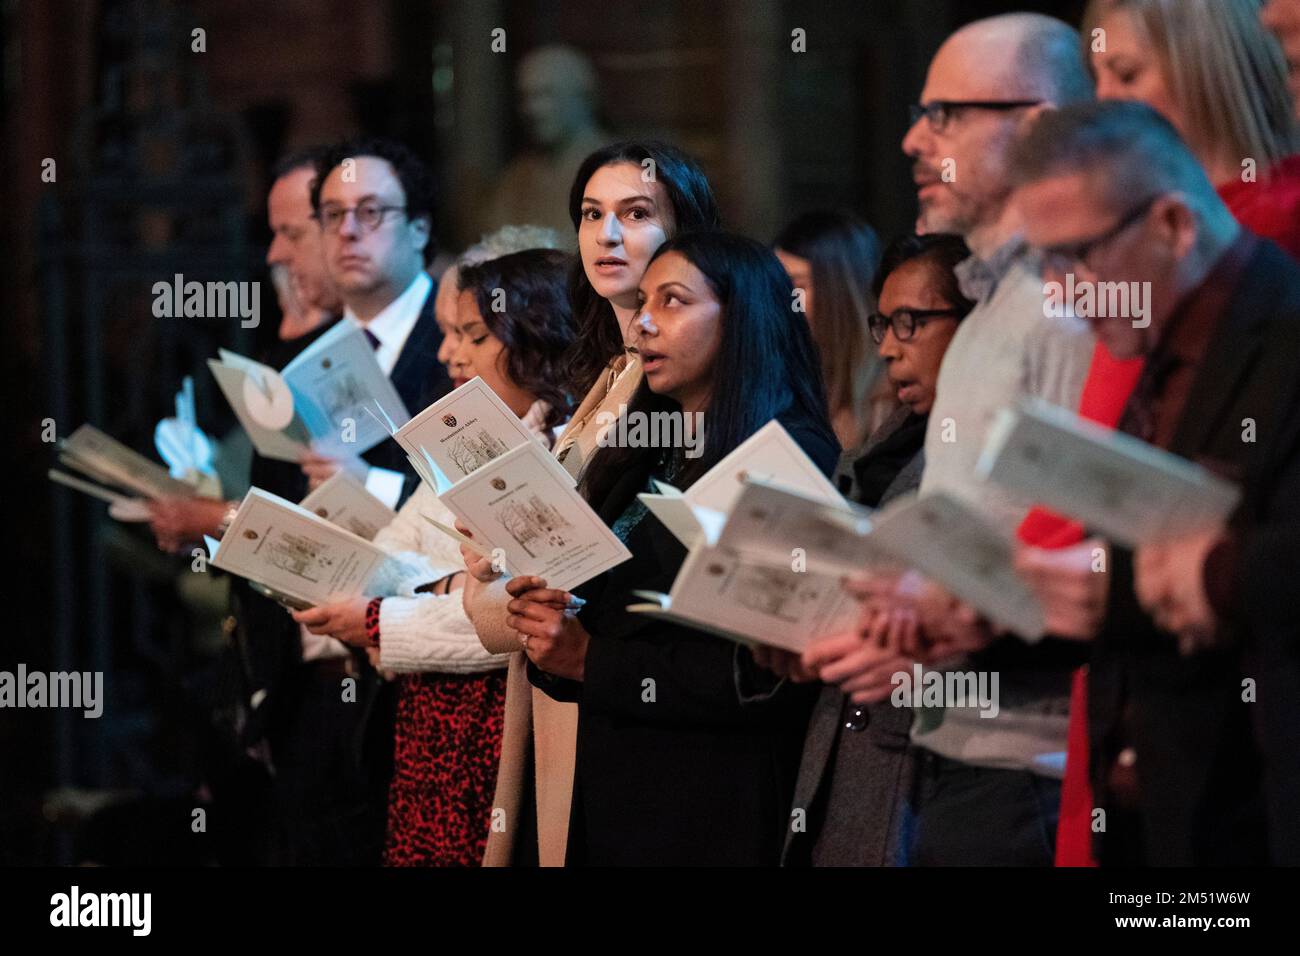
(1195, 671)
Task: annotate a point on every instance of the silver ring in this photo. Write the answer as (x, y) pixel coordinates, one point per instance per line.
(523, 639)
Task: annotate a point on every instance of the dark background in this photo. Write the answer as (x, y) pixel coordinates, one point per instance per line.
(162, 157)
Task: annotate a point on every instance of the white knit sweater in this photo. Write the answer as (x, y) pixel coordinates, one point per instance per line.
(425, 632)
(430, 632)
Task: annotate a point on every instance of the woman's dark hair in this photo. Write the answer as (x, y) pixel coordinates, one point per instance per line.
(766, 355)
(941, 251)
(600, 339)
(844, 253)
(536, 325)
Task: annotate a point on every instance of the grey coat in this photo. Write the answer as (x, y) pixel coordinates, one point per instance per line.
(857, 762)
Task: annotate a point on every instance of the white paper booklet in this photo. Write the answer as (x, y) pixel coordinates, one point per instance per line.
(948, 541)
(294, 555)
(1116, 485)
(321, 396)
(344, 501)
(717, 591)
(524, 503)
(462, 431)
(774, 526)
(769, 455)
(106, 460)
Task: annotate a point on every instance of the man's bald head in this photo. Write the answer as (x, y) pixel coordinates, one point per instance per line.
(1023, 56)
(984, 81)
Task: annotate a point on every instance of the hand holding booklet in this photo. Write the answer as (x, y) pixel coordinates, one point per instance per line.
(1118, 486)
(320, 398)
(776, 502)
(505, 486)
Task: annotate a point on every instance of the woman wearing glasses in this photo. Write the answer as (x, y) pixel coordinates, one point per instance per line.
(857, 763)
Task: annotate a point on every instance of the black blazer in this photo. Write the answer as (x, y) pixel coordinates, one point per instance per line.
(694, 776)
(1220, 776)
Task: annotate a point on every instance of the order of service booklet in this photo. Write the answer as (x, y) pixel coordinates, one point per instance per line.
(939, 536)
(769, 455)
(748, 526)
(461, 431)
(320, 398)
(525, 504)
(343, 500)
(1118, 486)
(294, 555)
(718, 591)
(107, 461)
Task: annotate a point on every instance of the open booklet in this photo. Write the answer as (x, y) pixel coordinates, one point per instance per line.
(745, 576)
(506, 487)
(343, 500)
(293, 555)
(770, 455)
(320, 397)
(774, 512)
(720, 592)
(1118, 486)
(112, 472)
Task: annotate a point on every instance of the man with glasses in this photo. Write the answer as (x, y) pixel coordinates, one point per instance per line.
(988, 789)
(372, 202)
(373, 199)
(1194, 696)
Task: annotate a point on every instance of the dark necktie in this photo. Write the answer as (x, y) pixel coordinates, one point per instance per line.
(370, 337)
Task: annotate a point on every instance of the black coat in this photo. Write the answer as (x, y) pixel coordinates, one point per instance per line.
(1219, 776)
(695, 777)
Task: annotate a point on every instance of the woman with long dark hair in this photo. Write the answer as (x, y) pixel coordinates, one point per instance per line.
(627, 199)
(832, 257)
(673, 767)
(451, 690)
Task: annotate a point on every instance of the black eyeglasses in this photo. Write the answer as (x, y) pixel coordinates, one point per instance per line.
(369, 215)
(1064, 257)
(905, 322)
(941, 112)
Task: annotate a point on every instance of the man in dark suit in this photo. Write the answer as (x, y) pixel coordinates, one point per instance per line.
(1194, 707)
(330, 740)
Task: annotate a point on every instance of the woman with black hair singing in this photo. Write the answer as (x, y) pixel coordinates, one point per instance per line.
(688, 773)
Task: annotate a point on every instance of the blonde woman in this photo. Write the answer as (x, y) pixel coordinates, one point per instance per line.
(627, 199)
(1214, 71)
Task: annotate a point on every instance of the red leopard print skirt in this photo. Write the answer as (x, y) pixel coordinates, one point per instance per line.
(448, 745)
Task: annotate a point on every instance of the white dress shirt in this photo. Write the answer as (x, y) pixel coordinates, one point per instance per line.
(392, 327)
